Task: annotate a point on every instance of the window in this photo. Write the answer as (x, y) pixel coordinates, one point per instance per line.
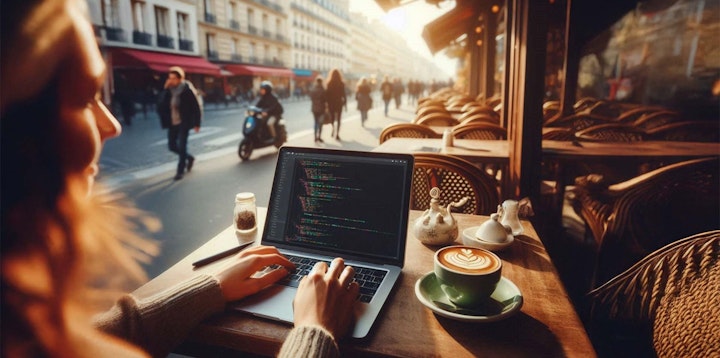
(232, 9)
(211, 46)
(110, 13)
(251, 16)
(162, 21)
(209, 6)
(183, 26)
(138, 11)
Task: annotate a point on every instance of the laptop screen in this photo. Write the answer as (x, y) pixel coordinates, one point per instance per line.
(340, 203)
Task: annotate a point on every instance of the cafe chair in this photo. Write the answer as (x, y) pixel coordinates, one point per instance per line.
(407, 130)
(456, 178)
(437, 119)
(632, 115)
(561, 134)
(604, 109)
(479, 118)
(630, 219)
(687, 131)
(481, 131)
(575, 121)
(584, 103)
(667, 302)
(425, 110)
(656, 119)
(611, 132)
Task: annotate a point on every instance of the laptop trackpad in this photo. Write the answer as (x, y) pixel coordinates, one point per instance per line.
(274, 302)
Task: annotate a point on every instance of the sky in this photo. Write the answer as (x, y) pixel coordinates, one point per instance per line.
(409, 20)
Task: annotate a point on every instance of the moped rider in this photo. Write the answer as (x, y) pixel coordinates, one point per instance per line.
(270, 106)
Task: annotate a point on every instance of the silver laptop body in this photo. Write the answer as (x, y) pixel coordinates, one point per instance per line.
(332, 203)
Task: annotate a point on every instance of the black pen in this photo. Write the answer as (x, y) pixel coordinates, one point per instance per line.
(221, 255)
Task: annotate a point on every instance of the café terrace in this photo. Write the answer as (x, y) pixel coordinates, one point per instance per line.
(601, 119)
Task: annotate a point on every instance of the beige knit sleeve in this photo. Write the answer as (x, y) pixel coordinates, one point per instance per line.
(160, 322)
(309, 341)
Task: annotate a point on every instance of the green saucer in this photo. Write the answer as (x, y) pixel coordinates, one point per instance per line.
(503, 303)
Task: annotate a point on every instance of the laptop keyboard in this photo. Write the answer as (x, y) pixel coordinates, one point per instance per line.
(368, 279)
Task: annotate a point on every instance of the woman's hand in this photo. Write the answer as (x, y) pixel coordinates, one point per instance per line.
(326, 297)
(238, 279)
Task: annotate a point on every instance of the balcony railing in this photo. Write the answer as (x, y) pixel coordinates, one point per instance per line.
(210, 18)
(267, 34)
(165, 41)
(213, 55)
(186, 45)
(236, 57)
(267, 61)
(253, 59)
(252, 29)
(115, 34)
(280, 37)
(142, 38)
(234, 24)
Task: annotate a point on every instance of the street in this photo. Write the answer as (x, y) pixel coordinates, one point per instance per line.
(194, 209)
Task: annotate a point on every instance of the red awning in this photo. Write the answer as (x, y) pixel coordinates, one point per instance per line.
(161, 62)
(247, 70)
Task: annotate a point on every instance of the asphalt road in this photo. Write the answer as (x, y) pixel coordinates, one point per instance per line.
(199, 206)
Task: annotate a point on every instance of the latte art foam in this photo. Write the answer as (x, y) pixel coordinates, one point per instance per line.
(469, 260)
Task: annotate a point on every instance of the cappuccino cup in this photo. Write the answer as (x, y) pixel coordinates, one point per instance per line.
(467, 275)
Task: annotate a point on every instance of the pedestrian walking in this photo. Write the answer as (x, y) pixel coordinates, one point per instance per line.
(179, 110)
(398, 90)
(387, 90)
(318, 107)
(336, 99)
(364, 101)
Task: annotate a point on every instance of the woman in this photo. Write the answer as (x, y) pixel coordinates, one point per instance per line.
(364, 101)
(336, 99)
(386, 88)
(63, 244)
(318, 107)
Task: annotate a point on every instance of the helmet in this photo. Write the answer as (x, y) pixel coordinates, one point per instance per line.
(267, 85)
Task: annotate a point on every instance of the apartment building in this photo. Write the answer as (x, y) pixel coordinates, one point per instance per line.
(141, 39)
(248, 40)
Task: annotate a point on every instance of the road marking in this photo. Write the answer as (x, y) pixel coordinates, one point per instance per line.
(204, 132)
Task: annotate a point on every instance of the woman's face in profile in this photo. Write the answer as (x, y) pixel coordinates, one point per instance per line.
(85, 121)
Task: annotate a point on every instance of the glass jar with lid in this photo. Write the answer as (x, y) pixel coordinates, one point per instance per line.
(245, 213)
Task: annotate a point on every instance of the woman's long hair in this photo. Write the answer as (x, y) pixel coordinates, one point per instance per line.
(65, 255)
(334, 78)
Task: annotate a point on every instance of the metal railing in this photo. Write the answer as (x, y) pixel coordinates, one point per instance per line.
(234, 24)
(186, 45)
(142, 38)
(210, 18)
(165, 41)
(115, 34)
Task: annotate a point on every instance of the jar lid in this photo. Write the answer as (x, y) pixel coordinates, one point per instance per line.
(244, 196)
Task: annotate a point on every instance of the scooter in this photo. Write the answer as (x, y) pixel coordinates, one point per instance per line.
(257, 135)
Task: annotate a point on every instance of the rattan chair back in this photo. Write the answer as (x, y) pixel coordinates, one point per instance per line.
(407, 130)
(456, 178)
(481, 131)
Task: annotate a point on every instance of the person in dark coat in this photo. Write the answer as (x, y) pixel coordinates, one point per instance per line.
(386, 89)
(179, 110)
(271, 108)
(364, 101)
(398, 90)
(336, 99)
(319, 107)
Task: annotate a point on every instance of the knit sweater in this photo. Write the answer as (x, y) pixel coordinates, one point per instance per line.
(161, 322)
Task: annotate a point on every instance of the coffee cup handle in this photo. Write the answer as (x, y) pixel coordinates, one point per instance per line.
(451, 292)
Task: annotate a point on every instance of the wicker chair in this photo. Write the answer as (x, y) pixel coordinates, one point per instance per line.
(421, 111)
(611, 132)
(656, 119)
(456, 178)
(437, 119)
(576, 121)
(478, 118)
(481, 131)
(407, 130)
(630, 116)
(563, 134)
(630, 219)
(672, 292)
(604, 109)
(687, 131)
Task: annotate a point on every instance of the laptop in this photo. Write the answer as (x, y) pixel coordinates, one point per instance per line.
(334, 203)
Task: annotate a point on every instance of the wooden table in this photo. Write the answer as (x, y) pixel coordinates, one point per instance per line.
(546, 326)
(472, 150)
(617, 154)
